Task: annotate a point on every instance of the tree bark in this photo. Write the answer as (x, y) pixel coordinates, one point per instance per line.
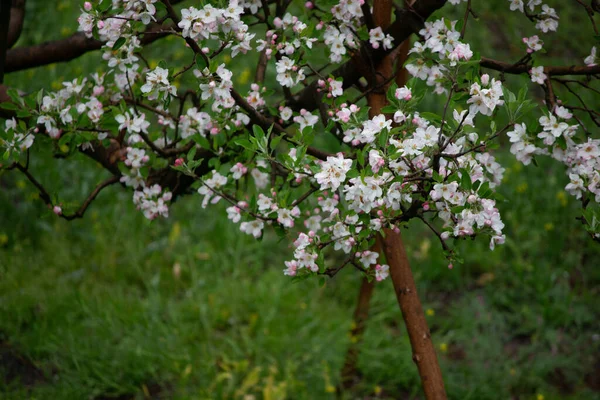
(393, 247)
(382, 13)
(414, 318)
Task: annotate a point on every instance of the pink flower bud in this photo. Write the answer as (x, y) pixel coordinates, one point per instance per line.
(179, 162)
(426, 206)
(87, 6)
(57, 210)
(450, 266)
(100, 24)
(98, 90)
(485, 79)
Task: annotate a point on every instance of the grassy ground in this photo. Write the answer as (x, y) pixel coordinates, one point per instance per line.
(116, 307)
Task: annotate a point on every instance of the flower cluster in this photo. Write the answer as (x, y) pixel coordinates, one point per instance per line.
(157, 84)
(152, 201)
(377, 38)
(288, 37)
(219, 24)
(443, 41)
(547, 19)
(216, 88)
(14, 140)
(288, 74)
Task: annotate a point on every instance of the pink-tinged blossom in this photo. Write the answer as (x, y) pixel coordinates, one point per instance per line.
(288, 74)
(367, 258)
(238, 170)
(533, 3)
(157, 82)
(548, 19)
(285, 113)
(306, 119)
(399, 117)
(234, 213)
(285, 218)
(253, 228)
(377, 37)
(563, 112)
(210, 188)
(152, 201)
(376, 161)
(381, 272)
(291, 268)
(462, 51)
(403, 93)
(336, 88)
(333, 172)
(590, 60)
(534, 43)
(537, 75)
(576, 186)
(516, 5)
(485, 99)
(136, 158)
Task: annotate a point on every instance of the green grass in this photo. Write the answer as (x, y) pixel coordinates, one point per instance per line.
(114, 306)
(95, 304)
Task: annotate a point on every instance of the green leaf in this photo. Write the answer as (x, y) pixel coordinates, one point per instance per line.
(14, 95)
(245, 143)
(465, 180)
(119, 43)
(457, 210)
(104, 6)
(9, 106)
(192, 153)
(201, 62)
(258, 132)
(360, 156)
(275, 142)
(431, 117)
(389, 109)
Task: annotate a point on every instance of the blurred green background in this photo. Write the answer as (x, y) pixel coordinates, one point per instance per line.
(116, 307)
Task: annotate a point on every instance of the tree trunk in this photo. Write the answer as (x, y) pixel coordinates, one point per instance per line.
(393, 247)
(414, 318)
(382, 13)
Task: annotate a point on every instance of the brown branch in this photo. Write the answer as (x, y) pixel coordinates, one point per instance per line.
(45, 196)
(524, 68)
(67, 49)
(414, 318)
(81, 210)
(261, 68)
(15, 27)
(5, 11)
(590, 13)
(409, 20)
